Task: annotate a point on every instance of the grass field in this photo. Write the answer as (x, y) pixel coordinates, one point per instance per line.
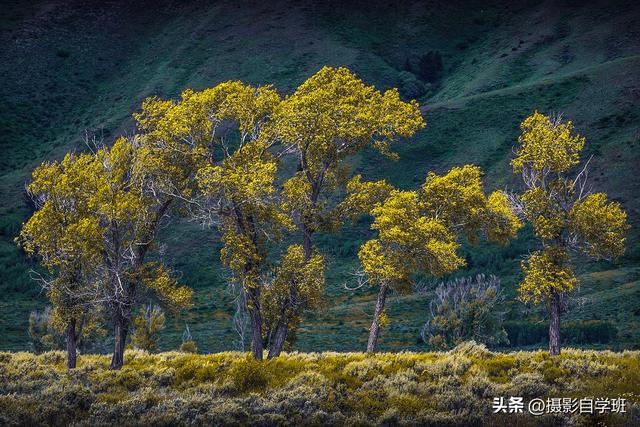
(71, 67)
(454, 388)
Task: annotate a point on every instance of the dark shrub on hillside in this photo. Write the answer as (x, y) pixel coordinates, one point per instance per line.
(410, 86)
(63, 53)
(572, 332)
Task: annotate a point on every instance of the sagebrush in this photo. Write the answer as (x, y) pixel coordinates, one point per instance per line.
(231, 388)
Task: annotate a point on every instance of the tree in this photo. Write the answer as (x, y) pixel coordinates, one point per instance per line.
(418, 230)
(330, 117)
(240, 319)
(227, 135)
(128, 215)
(66, 238)
(298, 285)
(93, 229)
(566, 217)
(219, 131)
(147, 326)
(464, 310)
(242, 195)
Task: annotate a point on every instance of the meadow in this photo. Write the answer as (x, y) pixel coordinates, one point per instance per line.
(231, 388)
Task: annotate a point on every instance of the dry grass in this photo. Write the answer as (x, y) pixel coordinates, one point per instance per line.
(454, 388)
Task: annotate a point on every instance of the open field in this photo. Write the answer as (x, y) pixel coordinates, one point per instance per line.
(454, 388)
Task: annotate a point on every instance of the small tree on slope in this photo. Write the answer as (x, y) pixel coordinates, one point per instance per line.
(566, 218)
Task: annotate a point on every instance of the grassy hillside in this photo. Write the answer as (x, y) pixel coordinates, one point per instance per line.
(72, 66)
(455, 388)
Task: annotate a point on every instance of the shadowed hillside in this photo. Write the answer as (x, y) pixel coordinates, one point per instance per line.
(478, 68)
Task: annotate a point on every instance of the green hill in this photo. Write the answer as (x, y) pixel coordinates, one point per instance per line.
(72, 66)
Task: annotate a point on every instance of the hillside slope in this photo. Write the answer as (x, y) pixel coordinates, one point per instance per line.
(72, 66)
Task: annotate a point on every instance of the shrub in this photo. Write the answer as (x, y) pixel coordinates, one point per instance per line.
(465, 309)
(454, 388)
(248, 374)
(188, 344)
(147, 326)
(410, 88)
(44, 333)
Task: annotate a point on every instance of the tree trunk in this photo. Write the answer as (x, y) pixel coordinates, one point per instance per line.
(71, 344)
(253, 307)
(554, 326)
(306, 241)
(120, 334)
(277, 345)
(375, 325)
(307, 229)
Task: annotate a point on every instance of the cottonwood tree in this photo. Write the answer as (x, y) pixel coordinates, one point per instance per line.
(298, 285)
(220, 130)
(241, 197)
(98, 244)
(240, 319)
(418, 231)
(566, 217)
(128, 217)
(66, 237)
(330, 117)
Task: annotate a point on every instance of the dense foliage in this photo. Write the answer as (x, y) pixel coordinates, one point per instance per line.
(567, 216)
(419, 231)
(210, 157)
(147, 327)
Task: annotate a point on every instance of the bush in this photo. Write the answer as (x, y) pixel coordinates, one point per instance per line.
(44, 333)
(411, 87)
(147, 326)
(465, 309)
(571, 332)
(454, 388)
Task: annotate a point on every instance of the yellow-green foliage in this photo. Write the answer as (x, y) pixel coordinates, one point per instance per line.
(298, 285)
(600, 226)
(331, 116)
(547, 144)
(556, 201)
(454, 388)
(546, 272)
(85, 200)
(418, 230)
(313, 118)
(147, 326)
